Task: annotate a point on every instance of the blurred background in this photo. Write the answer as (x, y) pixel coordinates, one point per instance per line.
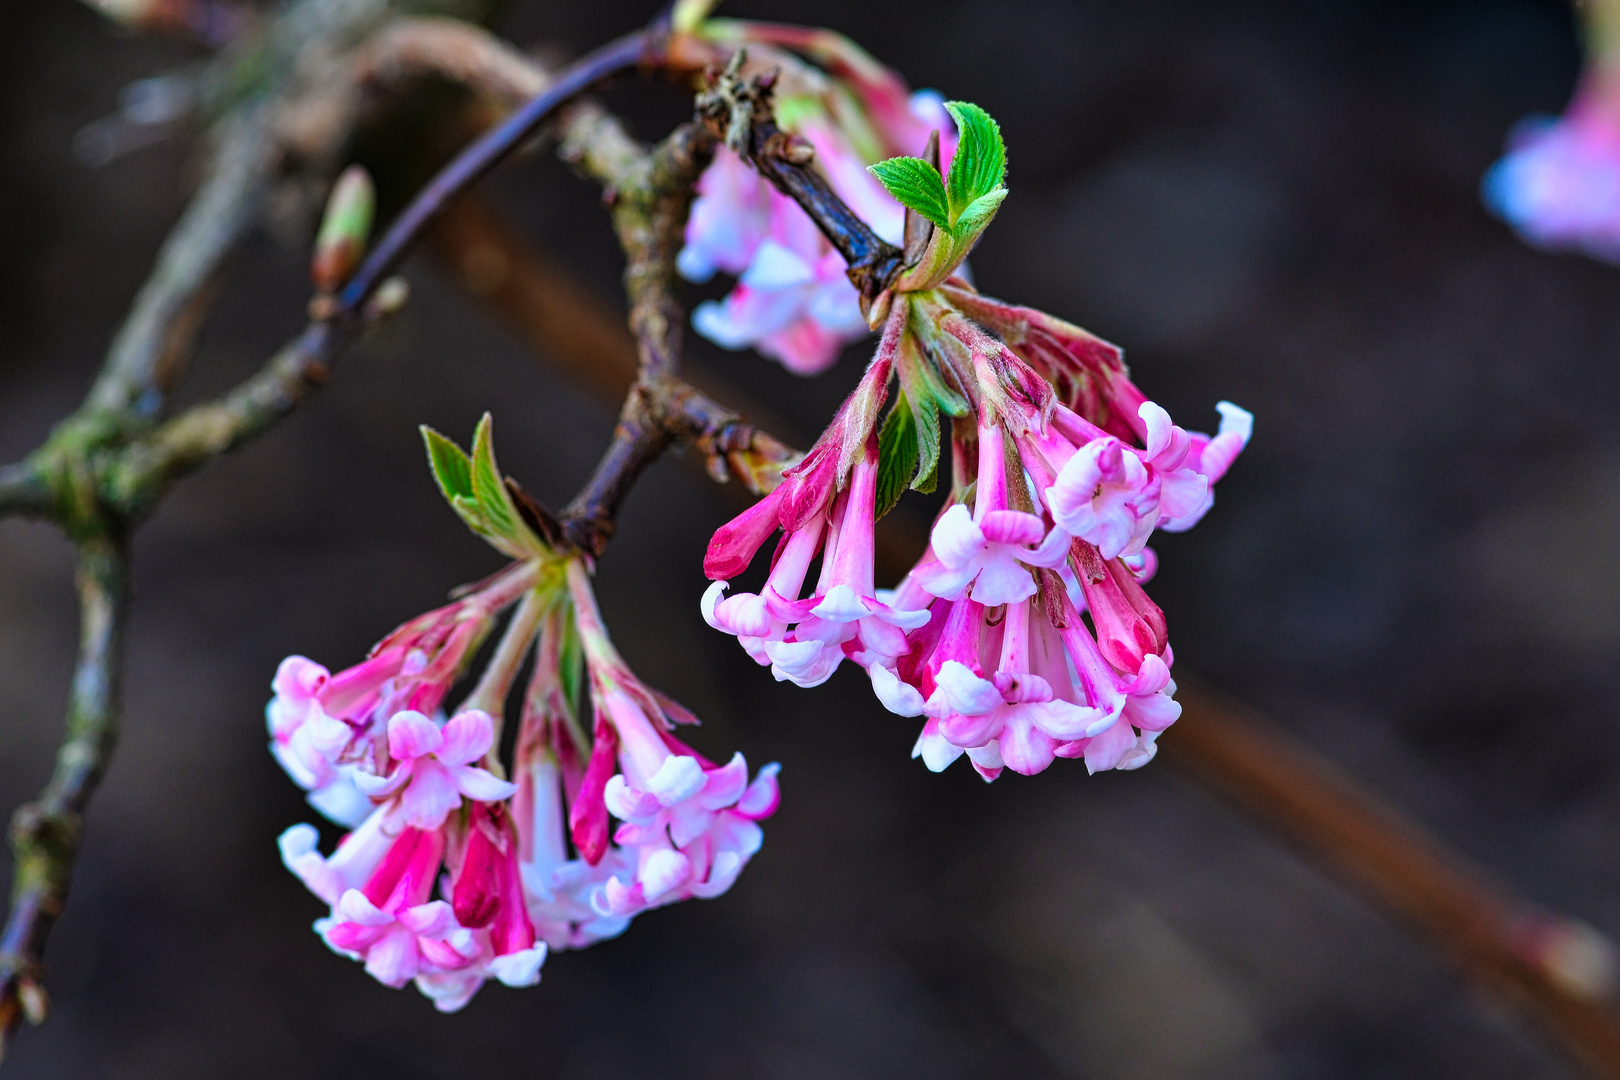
(1415, 567)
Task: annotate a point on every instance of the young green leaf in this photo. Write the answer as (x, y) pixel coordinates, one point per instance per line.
(897, 454)
(915, 184)
(927, 426)
(467, 508)
(975, 218)
(921, 389)
(480, 497)
(452, 468)
(980, 162)
(487, 486)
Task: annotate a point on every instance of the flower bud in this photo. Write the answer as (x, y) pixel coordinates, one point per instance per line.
(342, 239)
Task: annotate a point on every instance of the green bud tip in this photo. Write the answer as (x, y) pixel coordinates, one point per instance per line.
(344, 230)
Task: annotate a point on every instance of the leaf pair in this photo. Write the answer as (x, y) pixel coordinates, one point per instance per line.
(959, 205)
(476, 491)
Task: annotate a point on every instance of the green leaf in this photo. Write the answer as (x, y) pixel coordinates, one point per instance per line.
(452, 468)
(475, 490)
(493, 500)
(916, 184)
(926, 484)
(897, 454)
(975, 217)
(922, 389)
(927, 425)
(980, 162)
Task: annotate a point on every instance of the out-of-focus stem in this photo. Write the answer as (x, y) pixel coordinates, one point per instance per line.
(45, 833)
(152, 346)
(1559, 971)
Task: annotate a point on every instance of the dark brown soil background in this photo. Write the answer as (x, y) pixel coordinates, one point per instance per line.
(1415, 568)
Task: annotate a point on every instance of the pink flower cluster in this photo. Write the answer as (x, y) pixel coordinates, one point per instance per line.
(793, 302)
(1558, 184)
(1050, 513)
(432, 810)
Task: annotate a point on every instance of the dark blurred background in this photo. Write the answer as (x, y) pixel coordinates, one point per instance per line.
(1415, 568)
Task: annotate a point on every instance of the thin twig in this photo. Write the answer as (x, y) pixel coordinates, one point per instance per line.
(408, 49)
(741, 112)
(23, 491)
(148, 355)
(147, 468)
(474, 162)
(45, 833)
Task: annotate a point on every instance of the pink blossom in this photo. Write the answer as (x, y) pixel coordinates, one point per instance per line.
(792, 301)
(433, 767)
(559, 888)
(379, 883)
(356, 859)
(805, 640)
(689, 827)
(390, 923)
(487, 898)
(1135, 708)
(1009, 674)
(306, 741)
(1113, 495)
(1129, 626)
(987, 555)
(729, 220)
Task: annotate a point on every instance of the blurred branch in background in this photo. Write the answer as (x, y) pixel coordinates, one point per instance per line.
(1559, 971)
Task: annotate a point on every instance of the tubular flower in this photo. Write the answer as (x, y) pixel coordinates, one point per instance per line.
(433, 767)
(804, 640)
(1027, 634)
(550, 774)
(792, 302)
(1558, 184)
(688, 826)
(379, 884)
(486, 896)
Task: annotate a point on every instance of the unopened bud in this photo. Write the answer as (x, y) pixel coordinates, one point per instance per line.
(389, 298)
(798, 151)
(1579, 959)
(689, 14)
(342, 239)
(36, 1004)
(137, 13)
